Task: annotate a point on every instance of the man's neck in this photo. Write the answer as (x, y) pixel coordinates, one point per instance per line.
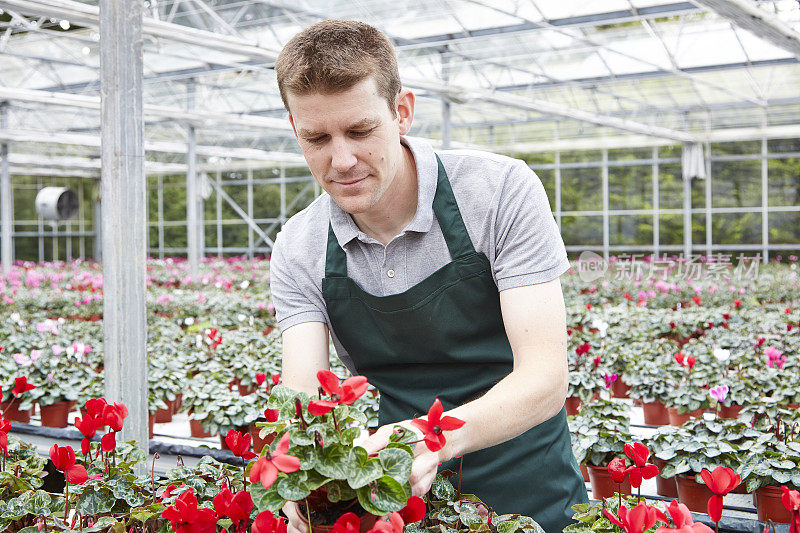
(400, 204)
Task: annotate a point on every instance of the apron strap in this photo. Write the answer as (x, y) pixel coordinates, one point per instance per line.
(335, 260)
(447, 213)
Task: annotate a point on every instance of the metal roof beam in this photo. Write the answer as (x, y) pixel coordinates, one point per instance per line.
(747, 15)
(88, 15)
(197, 118)
(461, 94)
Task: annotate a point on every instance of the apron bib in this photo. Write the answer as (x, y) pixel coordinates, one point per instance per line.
(444, 338)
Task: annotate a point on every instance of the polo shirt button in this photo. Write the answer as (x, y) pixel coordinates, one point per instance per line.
(390, 273)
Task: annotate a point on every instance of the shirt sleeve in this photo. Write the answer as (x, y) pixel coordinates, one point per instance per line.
(292, 305)
(528, 245)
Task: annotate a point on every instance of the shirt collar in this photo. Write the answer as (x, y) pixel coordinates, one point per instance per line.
(345, 228)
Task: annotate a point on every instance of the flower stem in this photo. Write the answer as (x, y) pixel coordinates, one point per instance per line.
(619, 493)
(244, 475)
(66, 498)
(460, 469)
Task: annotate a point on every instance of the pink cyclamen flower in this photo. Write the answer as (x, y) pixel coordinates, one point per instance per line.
(57, 350)
(609, 379)
(719, 393)
(774, 357)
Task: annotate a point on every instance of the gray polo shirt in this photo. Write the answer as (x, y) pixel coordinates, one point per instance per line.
(502, 202)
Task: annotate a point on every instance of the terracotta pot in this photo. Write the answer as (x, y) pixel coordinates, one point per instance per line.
(741, 488)
(196, 429)
(177, 403)
(769, 506)
(731, 411)
(691, 493)
(151, 420)
(602, 484)
(572, 405)
(13, 412)
(637, 401)
(258, 442)
(585, 473)
(677, 419)
(246, 390)
(665, 486)
(655, 414)
(163, 416)
(56, 415)
(619, 389)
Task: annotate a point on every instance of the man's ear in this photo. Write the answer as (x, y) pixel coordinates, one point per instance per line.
(291, 121)
(404, 107)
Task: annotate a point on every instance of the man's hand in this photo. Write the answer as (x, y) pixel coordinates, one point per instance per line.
(297, 522)
(423, 469)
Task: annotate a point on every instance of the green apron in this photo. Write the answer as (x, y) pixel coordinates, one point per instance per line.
(444, 338)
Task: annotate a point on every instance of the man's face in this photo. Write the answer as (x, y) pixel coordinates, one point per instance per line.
(351, 142)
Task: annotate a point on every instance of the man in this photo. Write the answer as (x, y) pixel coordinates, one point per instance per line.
(436, 275)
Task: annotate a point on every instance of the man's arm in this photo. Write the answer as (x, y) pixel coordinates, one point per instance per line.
(305, 352)
(534, 391)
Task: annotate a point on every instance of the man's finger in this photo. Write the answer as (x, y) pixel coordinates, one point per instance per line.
(378, 441)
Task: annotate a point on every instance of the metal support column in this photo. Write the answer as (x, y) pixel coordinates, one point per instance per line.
(5, 197)
(192, 237)
(687, 218)
(764, 198)
(250, 236)
(605, 205)
(219, 214)
(656, 200)
(97, 249)
(709, 222)
(160, 201)
(445, 102)
(124, 196)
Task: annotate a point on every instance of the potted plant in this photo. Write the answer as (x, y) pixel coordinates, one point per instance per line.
(215, 408)
(165, 379)
(599, 434)
(332, 475)
(647, 382)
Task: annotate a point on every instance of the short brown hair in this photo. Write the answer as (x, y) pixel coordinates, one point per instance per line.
(334, 55)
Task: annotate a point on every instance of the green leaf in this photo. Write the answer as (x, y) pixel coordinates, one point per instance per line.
(340, 491)
(442, 489)
(266, 499)
(94, 502)
(349, 435)
(396, 463)
(332, 461)
(293, 487)
(361, 469)
(509, 526)
(384, 496)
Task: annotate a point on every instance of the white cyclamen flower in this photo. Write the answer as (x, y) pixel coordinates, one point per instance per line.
(721, 354)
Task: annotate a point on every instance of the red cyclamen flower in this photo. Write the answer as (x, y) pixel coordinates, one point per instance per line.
(239, 444)
(5, 427)
(721, 481)
(186, 517)
(236, 507)
(88, 427)
(791, 500)
(617, 470)
(21, 385)
(345, 394)
(63, 458)
(266, 522)
(682, 518)
(271, 415)
(637, 520)
(640, 469)
(267, 466)
(260, 378)
(394, 525)
(583, 348)
(434, 427)
(414, 511)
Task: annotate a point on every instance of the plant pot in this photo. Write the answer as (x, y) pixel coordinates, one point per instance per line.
(637, 401)
(196, 429)
(729, 411)
(655, 414)
(769, 506)
(602, 484)
(163, 416)
(678, 419)
(691, 493)
(619, 389)
(246, 390)
(585, 473)
(665, 486)
(13, 412)
(572, 405)
(258, 442)
(176, 403)
(56, 415)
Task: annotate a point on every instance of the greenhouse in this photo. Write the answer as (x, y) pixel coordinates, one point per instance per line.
(281, 267)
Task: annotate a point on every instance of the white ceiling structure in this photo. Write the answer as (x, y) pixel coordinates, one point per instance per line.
(519, 75)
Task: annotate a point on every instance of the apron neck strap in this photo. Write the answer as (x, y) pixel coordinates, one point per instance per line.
(447, 213)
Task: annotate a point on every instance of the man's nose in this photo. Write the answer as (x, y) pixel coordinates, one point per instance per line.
(342, 158)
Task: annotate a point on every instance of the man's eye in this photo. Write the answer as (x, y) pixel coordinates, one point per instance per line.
(360, 133)
(315, 140)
